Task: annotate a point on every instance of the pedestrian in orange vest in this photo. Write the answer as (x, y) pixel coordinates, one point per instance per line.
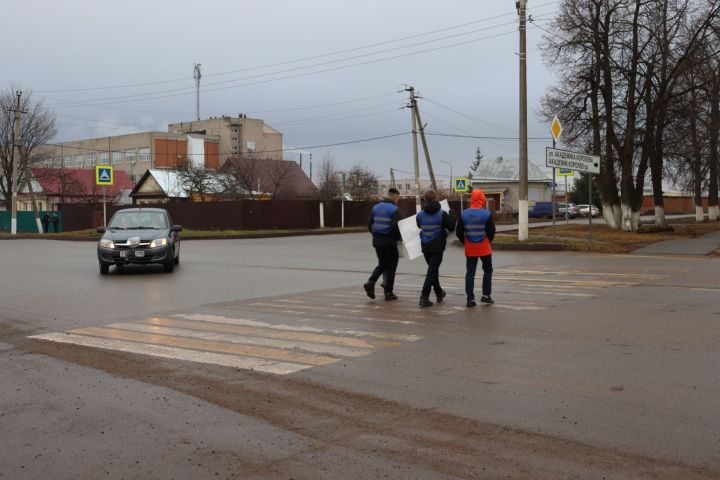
(476, 229)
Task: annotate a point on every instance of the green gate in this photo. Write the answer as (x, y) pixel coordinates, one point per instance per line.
(26, 222)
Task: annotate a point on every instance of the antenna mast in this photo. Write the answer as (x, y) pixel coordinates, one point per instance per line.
(196, 76)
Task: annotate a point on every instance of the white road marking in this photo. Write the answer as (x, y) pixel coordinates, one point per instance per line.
(247, 363)
(244, 340)
(255, 323)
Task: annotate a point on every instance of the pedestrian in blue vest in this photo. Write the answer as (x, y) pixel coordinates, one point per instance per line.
(476, 230)
(435, 225)
(383, 224)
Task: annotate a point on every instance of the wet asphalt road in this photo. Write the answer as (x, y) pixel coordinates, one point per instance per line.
(617, 355)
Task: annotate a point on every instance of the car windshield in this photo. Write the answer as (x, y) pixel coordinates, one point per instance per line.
(138, 221)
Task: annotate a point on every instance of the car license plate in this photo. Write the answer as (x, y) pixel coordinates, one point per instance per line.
(123, 253)
(139, 253)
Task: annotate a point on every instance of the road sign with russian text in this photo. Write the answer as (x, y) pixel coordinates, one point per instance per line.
(578, 162)
(103, 175)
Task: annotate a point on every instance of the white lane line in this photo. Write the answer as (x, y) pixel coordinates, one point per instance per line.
(225, 360)
(307, 310)
(297, 328)
(517, 307)
(243, 340)
(649, 276)
(496, 282)
(529, 292)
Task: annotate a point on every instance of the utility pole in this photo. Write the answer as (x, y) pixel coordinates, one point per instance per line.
(196, 76)
(392, 178)
(15, 161)
(523, 176)
(424, 144)
(415, 147)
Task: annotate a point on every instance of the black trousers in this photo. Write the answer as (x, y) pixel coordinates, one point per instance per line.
(432, 278)
(470, 275)
(387, 264)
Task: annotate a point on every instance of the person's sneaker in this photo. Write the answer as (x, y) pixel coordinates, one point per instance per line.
(370, 289)
(440, 296)
(487, 299)
(389, 296)
(425, 302)
(471, 303)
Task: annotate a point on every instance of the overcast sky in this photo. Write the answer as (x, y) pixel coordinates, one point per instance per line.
(290, 63)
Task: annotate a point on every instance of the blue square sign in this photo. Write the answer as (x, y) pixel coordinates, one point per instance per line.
(460, 184)
(103, 175)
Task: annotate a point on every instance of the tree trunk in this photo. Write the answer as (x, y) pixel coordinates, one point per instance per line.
(713, 209)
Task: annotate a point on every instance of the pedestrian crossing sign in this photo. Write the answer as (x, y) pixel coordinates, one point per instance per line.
(461, 184)
(565, 172)
(103, 175)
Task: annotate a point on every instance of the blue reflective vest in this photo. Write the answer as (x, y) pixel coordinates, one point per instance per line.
(474, 221)
(382, 214)
(431, 226)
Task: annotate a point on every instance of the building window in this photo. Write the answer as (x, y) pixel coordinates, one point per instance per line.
(67, 161)
(144, 154)
(407, 187)
(103, 158)
(116, 157)
(79, 160)
(130, 156)
(251, 145)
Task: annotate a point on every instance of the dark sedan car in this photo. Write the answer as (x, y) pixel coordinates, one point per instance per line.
(139, 236)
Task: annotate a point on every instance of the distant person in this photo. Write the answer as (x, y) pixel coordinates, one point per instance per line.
(383, 224)
(55, 221)
(435, 224)
(476, 230)
(45, 220)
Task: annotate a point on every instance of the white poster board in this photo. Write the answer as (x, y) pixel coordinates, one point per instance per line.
(410, 233)
(445, 206)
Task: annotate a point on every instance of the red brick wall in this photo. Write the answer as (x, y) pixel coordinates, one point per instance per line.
(672, 204)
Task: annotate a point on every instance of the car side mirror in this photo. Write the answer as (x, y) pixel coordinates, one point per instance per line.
(100, 229)
(176, 228)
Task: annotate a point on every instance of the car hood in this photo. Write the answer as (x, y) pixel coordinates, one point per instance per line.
(145, 234)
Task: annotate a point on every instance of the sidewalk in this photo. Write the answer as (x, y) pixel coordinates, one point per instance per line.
(704, 245)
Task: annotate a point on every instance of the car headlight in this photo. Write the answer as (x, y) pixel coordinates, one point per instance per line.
(105, 243)
(158, 242)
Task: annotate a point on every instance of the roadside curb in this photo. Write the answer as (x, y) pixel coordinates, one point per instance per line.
(530, 246)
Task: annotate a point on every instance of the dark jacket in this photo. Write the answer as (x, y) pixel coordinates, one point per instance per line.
(385, 240)
(448, 224)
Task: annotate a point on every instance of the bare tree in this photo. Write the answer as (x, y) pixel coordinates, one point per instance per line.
(37, 127)
(196, 180)
(279, 177)
(362, 183)
(243, 174)
(625, 59)
(328, 182)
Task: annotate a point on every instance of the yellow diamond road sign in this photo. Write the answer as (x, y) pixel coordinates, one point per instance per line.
(556, 129)
(103, 175)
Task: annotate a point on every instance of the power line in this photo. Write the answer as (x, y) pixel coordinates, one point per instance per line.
(348, 142)
(479, 137)
(304, 67)
(286, 62)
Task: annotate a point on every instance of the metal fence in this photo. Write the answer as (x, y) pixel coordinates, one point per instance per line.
(245, 214)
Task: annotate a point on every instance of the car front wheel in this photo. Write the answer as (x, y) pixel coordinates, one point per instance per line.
(104, 269)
